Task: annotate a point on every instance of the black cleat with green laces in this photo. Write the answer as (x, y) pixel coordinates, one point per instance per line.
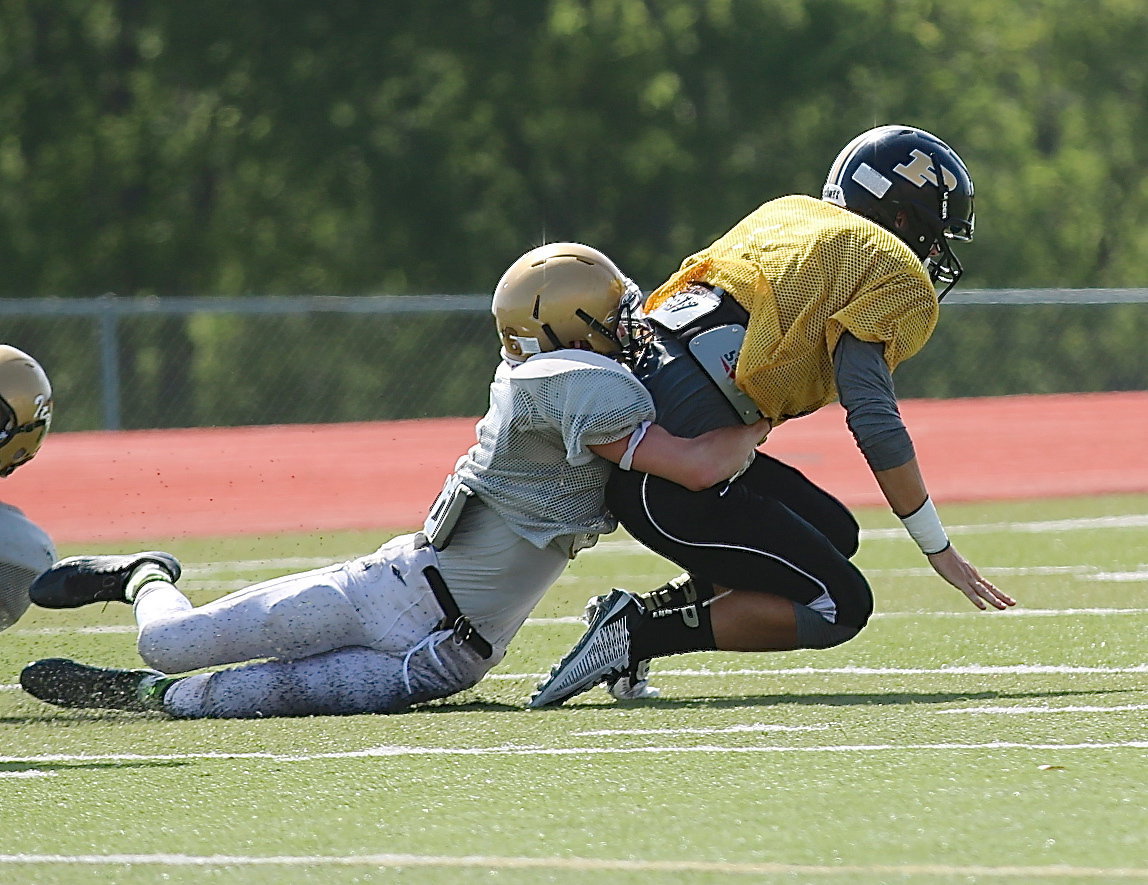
(68, 683)
(81, 580)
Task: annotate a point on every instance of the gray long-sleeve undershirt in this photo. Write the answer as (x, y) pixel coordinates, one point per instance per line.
(865, 389)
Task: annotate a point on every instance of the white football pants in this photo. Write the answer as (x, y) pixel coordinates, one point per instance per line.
(358, 637)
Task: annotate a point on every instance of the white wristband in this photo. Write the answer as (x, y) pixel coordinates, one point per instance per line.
(627, 460)
(925, 526)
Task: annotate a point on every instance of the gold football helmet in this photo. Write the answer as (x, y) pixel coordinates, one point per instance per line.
(562, 295)
(25, 408)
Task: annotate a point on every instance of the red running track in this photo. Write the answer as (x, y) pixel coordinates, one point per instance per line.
(111, 486)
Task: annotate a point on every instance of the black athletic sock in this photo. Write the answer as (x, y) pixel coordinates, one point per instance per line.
(672, 633)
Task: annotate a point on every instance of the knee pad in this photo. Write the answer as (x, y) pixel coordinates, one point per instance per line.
(813, 631)
(161, 644)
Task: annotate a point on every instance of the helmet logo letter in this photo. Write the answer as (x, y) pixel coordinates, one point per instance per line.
(43, 406)
(919, 170)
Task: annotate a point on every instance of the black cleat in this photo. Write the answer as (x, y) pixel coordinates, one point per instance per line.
(81, 580)
(68, 683)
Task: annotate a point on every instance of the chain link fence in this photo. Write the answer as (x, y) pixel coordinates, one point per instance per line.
(189, 362)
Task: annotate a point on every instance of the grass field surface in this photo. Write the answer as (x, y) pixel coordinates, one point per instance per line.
(943, 745)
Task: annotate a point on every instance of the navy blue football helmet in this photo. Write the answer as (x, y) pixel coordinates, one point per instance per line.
(890, 175)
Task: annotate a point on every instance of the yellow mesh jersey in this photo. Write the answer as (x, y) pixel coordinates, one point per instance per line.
(806, 271)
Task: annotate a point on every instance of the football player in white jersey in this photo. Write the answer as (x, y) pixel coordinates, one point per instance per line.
(428, 614)
(25, 416)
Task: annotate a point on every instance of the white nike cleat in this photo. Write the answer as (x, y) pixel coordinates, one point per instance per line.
(602, 653)
(635, 687)
(629, 686)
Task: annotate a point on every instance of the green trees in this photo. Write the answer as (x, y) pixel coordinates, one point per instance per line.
(224, 149)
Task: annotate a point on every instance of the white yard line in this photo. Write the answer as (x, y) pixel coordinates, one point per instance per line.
(1017, 613)
(732, 729)
(581, 864)
(1092, 572)
(1044, 708)
(391, 752)
(1042, 527)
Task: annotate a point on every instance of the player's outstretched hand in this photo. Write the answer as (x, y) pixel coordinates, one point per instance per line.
(962, 574)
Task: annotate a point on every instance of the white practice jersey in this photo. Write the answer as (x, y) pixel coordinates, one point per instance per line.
(532, 464)
(25, 551)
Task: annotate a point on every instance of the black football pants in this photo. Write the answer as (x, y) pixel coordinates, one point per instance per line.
(771, 530)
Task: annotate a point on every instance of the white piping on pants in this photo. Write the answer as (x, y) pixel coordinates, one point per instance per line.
(823, 604)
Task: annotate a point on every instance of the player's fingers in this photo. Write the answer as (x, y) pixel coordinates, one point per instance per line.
(995, 591)
(1004, 597)
(998, 604)
(974, 597)
(981, 593)
(993, 595)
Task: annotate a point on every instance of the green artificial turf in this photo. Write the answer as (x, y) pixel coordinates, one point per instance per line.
(942, 745)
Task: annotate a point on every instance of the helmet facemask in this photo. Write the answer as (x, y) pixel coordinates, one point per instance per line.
(941, 262)
(13, 451)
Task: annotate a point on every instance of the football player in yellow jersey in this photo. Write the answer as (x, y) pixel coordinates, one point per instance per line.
(802, 302)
